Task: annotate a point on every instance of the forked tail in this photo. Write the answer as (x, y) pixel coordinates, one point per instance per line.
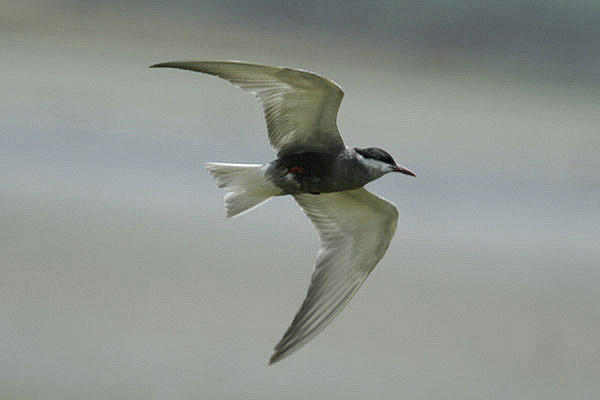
(246, 185)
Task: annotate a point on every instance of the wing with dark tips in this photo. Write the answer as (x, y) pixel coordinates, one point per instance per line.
(355, 228)
(300, 106)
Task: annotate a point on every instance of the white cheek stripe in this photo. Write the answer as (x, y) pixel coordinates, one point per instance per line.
(374, 164)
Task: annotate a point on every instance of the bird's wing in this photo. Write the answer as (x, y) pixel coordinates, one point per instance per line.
(355, 228)
(300, 106)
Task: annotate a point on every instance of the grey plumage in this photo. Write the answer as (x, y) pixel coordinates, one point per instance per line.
(325, 177)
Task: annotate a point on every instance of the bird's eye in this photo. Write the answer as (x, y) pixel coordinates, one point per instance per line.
(386, 158)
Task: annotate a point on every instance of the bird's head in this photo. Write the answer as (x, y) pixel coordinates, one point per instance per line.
(379, 161)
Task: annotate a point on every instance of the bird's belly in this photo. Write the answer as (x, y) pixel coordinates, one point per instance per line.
(297, 179)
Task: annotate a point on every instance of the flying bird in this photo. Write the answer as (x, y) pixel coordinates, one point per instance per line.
(324, 176)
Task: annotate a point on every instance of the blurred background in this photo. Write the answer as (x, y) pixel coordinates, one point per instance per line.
(120, 278)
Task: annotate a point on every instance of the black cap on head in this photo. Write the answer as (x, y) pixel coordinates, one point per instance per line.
(377, 154)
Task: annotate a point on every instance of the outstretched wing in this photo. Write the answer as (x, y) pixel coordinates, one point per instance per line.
(355, 228)
(300, 107)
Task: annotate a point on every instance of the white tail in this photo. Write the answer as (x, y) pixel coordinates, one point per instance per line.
(246, 185)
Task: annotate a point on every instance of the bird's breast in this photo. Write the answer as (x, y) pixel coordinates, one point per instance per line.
(315, 173)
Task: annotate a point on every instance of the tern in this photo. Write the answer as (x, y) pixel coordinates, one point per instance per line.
(325, 177)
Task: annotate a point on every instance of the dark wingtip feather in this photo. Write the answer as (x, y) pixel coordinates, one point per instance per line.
(276, 357)
(171, 64)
